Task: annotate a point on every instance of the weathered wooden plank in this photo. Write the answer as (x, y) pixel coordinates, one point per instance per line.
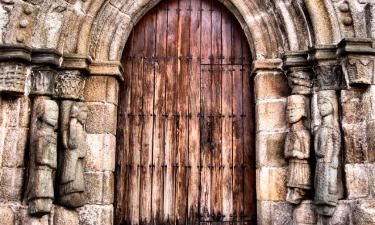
(159, 110)
(216, 171)
(249, 145)
(226, 148)
(135, 142)
(237, 142)
(206, 143)
(171, 131)
(226, 35)
(183, 70)
(237, 42)
(206, 43)
(216, 41)
(194, 110)
(146, 116)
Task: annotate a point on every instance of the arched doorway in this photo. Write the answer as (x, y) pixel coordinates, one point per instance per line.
(185, 123)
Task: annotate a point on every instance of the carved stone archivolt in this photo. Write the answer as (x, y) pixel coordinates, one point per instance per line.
(73, 132)
(327, 145)
(43, 156)
(297, 150)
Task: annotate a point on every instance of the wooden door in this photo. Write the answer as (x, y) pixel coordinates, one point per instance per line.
(186, 123)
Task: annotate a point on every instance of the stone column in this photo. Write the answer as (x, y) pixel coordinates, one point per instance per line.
(329, 80)
(14, 120)
(358, 118)
(271, 130)
(101, 97)
(299, 73)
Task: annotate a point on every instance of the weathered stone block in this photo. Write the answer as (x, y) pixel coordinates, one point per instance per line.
(14, 147)
(93, 187)
(96, 215)
(102, 118)
(357, 180)
(356, 148)
(342, 214)
(26, 219)
(274, 213)
(371, 168)
(63, 216)
(271, 183)
(99, 187)
(304, 214)
(108, 187)
(95, 89)
(11, 180)
(109, 153)
(276, 83)
(270, 116)
(7, 215)
(15, 112)
(270, 149)
(353, 99)
(364, 213)
(101, 154)
(360, 69)
(112, 90)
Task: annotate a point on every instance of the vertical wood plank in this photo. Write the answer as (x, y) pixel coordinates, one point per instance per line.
(237, 42)
(136, 123)
(249, 145)
(237, 143)
(226, 35)
(206, 43)
(183, 70)
(206, 143)
(147, 117)
(159, 110)
(171, 131)
(216, 41)
(227, 185)
(194, 110)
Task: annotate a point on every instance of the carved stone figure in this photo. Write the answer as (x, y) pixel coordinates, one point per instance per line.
(297, 150)
(328, 186)
(43, 157)
(71, 187)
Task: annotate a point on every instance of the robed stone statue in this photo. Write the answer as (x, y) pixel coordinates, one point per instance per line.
(297, 150)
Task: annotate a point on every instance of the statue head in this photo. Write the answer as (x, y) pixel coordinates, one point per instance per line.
(48, 112)
(325, 103)
(79, 111)
(296, 108)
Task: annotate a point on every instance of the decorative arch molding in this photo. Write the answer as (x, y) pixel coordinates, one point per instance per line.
(100, 28)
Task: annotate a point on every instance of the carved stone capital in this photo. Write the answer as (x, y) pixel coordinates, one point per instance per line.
(327, 68)
(70, 81)
(69, 84)
(13, 70)
(43, 72)
(299, 72)
(358, 60)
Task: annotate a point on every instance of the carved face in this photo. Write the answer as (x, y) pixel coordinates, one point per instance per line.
(82, 114)
(295, 112)
(51, 114)
(295, 109)
(325, 107)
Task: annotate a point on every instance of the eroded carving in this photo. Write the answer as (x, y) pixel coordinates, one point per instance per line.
(43, 156)
(297, 150)
(69, 84)
(327, 144)
(329, 77)
(300, 81)
(42, 80)
(12, 77)
(71, 187)
(360, 70)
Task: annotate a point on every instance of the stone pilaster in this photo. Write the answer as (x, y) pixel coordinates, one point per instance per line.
(270, 136)
(358, 120)
(14, 119)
